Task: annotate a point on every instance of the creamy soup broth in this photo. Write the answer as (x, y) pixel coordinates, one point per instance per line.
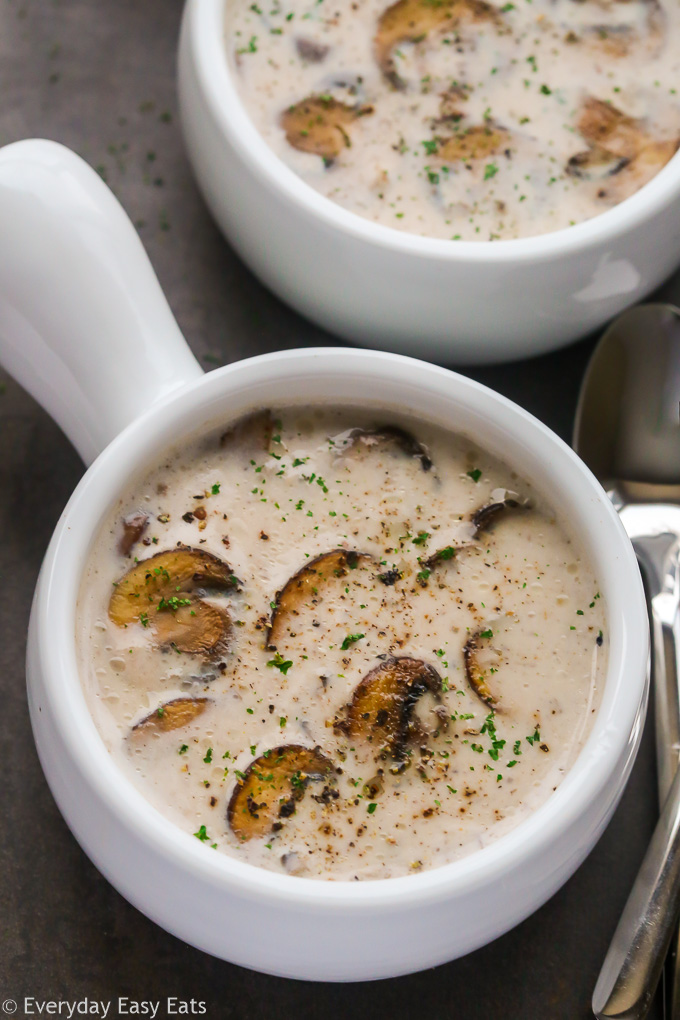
(463, 119)
(415, 694)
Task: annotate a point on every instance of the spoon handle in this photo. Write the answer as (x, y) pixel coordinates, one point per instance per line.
(659, 558)
(633, 965)
(665, 662)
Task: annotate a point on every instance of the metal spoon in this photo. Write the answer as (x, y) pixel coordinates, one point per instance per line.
(628, 432)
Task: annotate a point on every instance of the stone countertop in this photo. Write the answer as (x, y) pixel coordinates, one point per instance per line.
(98, 75)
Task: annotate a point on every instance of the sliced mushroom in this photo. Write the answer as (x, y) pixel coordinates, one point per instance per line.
(404, 440)
(251, 433)
(450, 111)
(302, 588)
(488, 516)
(273, 785)
(134, 526)
(619, 147)
(624, 27)
(482, 661)
(596, 163)
(604, 125)
(172, 715)
(161, 593)
(412, 20)
(195, 627)
(311, 51)
(381, 709)
(167, 575)
(319, 125)
(475, 142)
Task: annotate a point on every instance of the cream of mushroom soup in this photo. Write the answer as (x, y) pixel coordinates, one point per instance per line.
(340, 644)
(464, 119)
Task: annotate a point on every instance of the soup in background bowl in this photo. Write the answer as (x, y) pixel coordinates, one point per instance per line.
(464, 119)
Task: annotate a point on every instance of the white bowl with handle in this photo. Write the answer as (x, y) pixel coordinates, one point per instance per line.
(85, 328)
(458, 302)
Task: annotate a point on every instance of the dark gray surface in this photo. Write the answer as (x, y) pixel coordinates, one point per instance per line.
(98, 75)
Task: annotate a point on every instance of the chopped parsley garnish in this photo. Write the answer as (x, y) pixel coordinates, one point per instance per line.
(208, 756)
(202, 834)
(251, 47)
(351, 639)
(475, 474)
(278, 662)
(173, 603)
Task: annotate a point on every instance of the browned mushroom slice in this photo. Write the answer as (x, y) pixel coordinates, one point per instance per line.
(193, 626)
(251, 433)
(652, 158)
(311, 51)
(595, 164)
(172, 715)
(134, 526)
(450, 111)
(273, 785)
(604, 125)
(303, 587)
(640, 28)
(320, 124)
(412, 20)
(620, 147)
(165, 576)
(476, 142)
(482, 661)
(488, 516)
(404, 440)
(649, 160)
(381, 709)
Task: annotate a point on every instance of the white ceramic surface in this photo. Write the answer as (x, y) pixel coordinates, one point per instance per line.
(456, 302)
(84, 327)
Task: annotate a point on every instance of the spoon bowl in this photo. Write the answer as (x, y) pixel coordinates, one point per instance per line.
(628, 432)
(628, 420)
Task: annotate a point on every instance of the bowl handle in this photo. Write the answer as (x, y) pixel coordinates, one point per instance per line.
(84, 324)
